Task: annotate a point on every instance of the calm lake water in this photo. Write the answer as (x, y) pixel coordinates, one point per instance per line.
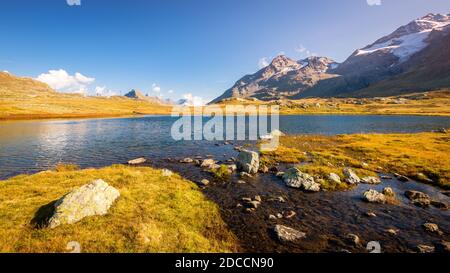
(31, 146)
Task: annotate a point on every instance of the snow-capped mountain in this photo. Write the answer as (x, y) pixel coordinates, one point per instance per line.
(398, 47)
(408, 39)
(415, 57)
(391, 60)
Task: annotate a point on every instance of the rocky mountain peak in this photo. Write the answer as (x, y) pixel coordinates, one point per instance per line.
(135, 94)
(282, 62)
(319, 64)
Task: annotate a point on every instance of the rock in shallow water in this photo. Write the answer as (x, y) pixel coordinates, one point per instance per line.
(373, 196)
(186, 160)
(370, 180)
(208, 163)
(137, 161)
(92, 199)
(204, 182)
(287, 234)
(294, 178)
(389, 192)
(425, 249)
(248, 161)
(432, 227)
(419, 198)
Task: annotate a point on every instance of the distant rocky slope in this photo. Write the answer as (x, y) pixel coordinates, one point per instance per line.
(415, 57)
(136, 94)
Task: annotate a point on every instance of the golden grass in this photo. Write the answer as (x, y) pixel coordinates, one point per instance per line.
(407, 154)
(59, 105)
(153, 214)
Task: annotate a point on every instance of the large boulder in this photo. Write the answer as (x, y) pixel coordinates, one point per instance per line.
(91, 199)
(294, 178)
(351, 177)
(287, 234)
(248, 161)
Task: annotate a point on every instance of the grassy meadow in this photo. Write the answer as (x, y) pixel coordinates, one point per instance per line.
(421, 156)
(154, 213)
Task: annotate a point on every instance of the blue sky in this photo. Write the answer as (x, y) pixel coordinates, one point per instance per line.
(188, 46)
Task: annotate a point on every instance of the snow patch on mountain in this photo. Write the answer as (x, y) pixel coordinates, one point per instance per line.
(409, 39)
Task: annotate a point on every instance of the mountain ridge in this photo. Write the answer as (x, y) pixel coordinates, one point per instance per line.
(417, 48)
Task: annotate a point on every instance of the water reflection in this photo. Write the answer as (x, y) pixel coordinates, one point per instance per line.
(38, 145)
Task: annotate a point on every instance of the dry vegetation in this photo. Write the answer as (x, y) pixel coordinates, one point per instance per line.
(421, 156)
(153, 214)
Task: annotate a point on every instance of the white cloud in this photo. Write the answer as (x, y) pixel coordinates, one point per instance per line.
(374, 2)
(304, 51)
(73, 2)
(263, 62)
(170, 91)
(156, 88)
(104, 92)
(191, 100)
(63, 82)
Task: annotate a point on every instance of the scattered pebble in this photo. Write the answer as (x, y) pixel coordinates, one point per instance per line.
(353, 239)
(204, 182)
(425, 249)
(290, 214)
(370, 214)
(432, 227)
(392, 231)
(245, 175)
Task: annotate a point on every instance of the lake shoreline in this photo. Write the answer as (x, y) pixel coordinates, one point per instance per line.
(118, 116)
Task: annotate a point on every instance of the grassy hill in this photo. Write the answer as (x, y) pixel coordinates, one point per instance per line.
(24, 98)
